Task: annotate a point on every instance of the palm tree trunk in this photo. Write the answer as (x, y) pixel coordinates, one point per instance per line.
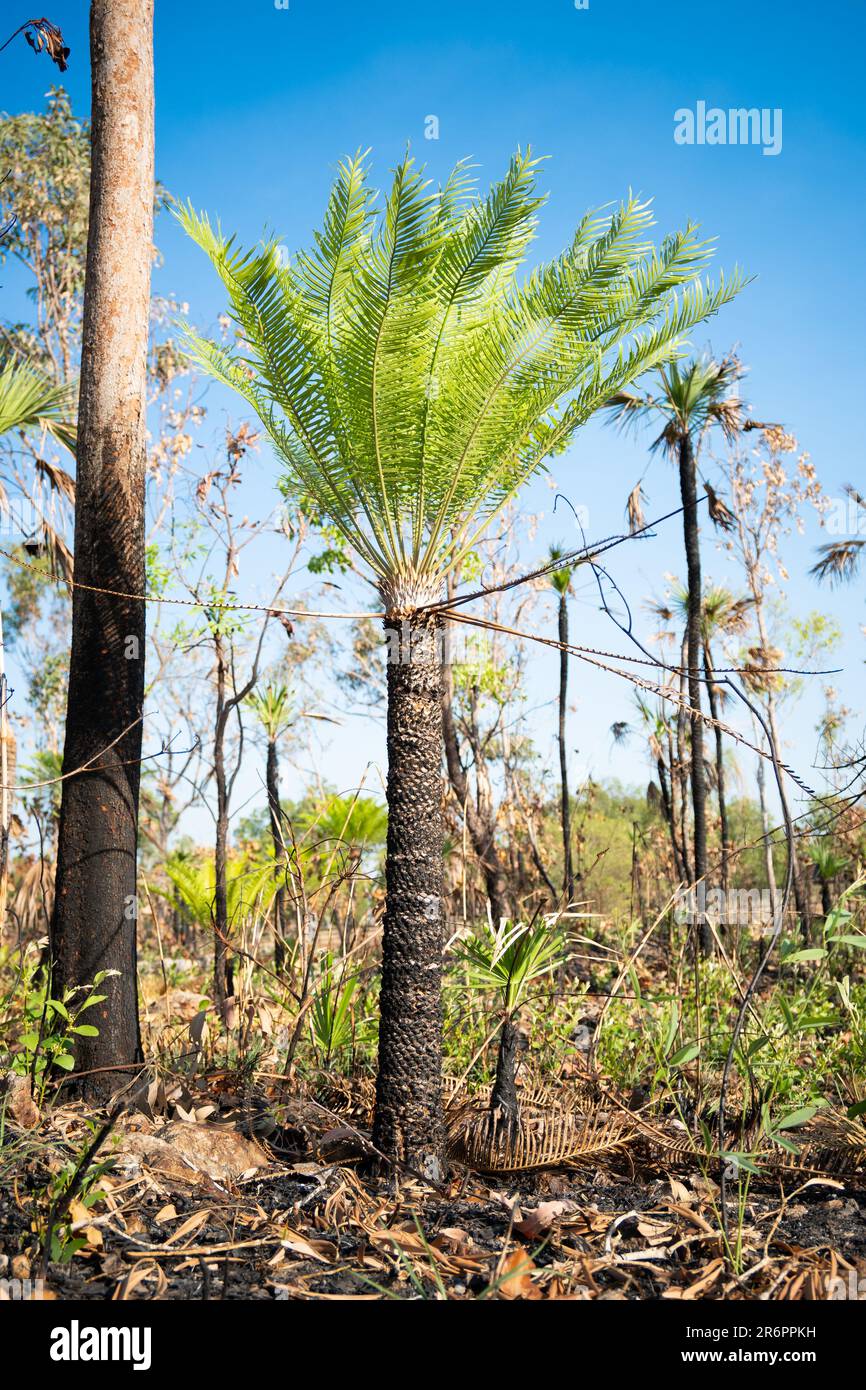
(94, 925)
(688, 490)
(272, 782)
(568, 866)
(724, 827)
(408, 1124)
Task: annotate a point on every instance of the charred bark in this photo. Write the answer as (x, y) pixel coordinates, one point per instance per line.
(688, 489)
(565, 804)
(272, 782)
(724, 826)
(94, 922)
(504, 1107)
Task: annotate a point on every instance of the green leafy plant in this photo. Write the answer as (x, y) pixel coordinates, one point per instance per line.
(51, 1027)
(332, 1021)
(410, 384)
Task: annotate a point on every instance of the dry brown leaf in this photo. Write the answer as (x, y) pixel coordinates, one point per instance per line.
(193, 1223)
(539, 1220)
(81, 1218)
(323, 1250)
(19, 1102)
(514, 1279)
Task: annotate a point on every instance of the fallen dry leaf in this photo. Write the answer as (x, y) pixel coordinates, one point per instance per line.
(514, 1279)
(539, 1219)
(20, 1103)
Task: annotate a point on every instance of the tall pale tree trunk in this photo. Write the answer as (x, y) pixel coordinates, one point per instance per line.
(565, 802)
(688, 490)
(408, 1124)
(94, 924)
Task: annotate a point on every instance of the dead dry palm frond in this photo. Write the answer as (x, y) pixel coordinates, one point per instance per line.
(544, 1139)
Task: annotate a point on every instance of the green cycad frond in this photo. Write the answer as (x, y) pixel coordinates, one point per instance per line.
(248, 884)
(29, 401)
(360, 822)
(409, 382)
(829, 862)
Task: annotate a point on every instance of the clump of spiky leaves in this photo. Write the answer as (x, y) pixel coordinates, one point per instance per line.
(28, 400)
(272, 706)
(249, 887)
(411, 382)
(509, 960)
(840, 560)
(693, 397)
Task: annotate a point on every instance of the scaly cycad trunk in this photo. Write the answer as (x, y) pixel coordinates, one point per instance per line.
(688, 489)
(408, 1125)
(94, 924)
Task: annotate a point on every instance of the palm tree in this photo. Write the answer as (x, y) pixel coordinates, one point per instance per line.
(410, 385)
(94, 923)
(693, 399)
(560, 580)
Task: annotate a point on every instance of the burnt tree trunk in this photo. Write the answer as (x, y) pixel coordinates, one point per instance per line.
(408, 1123)
(724, 826)
(688, 489)
(565, 808)
(94, 922)
(223, 979)
(272, 782)
(504, 1107)
(826, 897)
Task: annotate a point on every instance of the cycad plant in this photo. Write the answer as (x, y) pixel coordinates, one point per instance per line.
(693, 398)
(358, 822)
(249, 887)
(410, 384)
(510, 960)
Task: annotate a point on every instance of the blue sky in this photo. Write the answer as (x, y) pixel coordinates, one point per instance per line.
(256, 104)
